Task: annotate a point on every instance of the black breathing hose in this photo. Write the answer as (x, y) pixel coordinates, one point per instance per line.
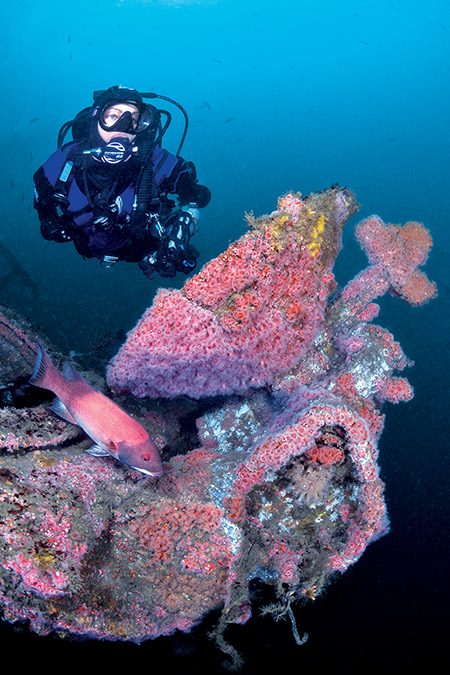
(179, 106)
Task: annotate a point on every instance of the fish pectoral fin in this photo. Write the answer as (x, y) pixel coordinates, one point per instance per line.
(97, 451)
(60, 409)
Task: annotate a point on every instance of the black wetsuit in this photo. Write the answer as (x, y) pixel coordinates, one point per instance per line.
(93, 204)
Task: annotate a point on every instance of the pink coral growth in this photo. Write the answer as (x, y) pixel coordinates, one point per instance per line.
(47, 584)
(191, 350)
(394, 389)
(322, 454)
(298, 438)
(189, 536)
(246, 317)
(292, 204)
(398, 251)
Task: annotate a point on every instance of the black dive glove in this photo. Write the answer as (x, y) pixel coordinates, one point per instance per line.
(55, 225)
(167, 262)
(53, 229)
(104, 223)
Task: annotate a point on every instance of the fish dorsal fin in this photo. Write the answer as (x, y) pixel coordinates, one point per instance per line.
(72, 374)
(97, 451)
(60, 409)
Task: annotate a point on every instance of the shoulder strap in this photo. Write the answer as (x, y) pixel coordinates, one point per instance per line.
(66, 174)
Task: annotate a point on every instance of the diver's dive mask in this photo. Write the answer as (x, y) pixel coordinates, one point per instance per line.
(111, 118)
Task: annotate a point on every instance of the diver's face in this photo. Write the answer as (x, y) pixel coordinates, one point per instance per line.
(111, 115)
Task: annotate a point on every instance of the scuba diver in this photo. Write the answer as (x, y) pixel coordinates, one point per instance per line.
(116, 193)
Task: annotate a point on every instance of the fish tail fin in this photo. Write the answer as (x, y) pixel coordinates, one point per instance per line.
(45, 374)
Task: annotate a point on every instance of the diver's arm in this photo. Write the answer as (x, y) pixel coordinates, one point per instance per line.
(191, 197)
(53, 228)
(174, 253)
(55, 224)
(183, 182)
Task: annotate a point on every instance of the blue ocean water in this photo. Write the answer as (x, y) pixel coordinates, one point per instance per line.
(285, 95)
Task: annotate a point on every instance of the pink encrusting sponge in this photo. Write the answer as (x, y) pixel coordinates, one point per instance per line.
(396, 252)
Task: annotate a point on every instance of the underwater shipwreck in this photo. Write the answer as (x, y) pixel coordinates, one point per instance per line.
(262, 383)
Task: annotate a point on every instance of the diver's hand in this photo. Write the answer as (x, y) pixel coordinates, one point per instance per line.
(190, 215)
(148, 264)
(169, 259)
(186, 264)
(172, 259)
(104, 223)
(53, 229)
(109, 260)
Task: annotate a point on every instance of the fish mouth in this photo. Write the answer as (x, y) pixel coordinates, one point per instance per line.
(154, 474)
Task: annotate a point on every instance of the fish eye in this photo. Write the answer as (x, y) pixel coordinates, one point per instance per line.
(146, 457)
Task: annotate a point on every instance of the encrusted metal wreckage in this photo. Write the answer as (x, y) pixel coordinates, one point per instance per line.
(285, 375)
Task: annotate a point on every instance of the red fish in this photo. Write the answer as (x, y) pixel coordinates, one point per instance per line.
(111, 428)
